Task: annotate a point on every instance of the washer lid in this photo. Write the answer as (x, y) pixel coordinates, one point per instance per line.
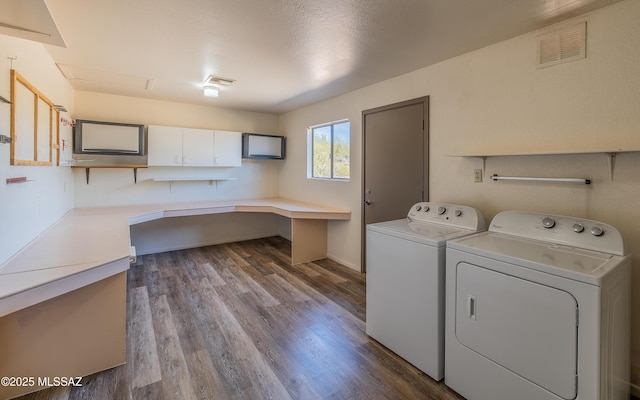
(565, 261)
(427, 233)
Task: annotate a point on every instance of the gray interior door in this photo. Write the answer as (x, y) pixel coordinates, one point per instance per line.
(395, 171)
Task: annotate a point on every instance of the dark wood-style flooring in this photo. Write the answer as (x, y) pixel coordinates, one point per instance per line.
(236, 321)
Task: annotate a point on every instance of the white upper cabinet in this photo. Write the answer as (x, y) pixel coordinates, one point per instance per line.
(164, 146)
(197, 148)
(174, 146)
(227, 148)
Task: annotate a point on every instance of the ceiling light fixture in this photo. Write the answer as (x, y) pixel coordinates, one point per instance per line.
(211, 91)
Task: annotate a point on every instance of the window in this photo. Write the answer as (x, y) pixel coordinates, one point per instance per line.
(329, 153)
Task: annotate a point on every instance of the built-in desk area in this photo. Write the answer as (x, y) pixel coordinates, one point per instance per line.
(63, 297)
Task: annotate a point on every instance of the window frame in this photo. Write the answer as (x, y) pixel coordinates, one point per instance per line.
(311, 151)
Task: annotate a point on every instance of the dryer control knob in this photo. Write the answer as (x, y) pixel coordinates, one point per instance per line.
(457, 213)
(548, 223)
(597, 231)
(577, 228)
(418, 208)
(426, 209)
(441, 210)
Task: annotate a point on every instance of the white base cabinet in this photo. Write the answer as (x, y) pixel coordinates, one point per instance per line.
(188, 147)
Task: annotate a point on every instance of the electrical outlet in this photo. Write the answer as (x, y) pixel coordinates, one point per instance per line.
(477, 175)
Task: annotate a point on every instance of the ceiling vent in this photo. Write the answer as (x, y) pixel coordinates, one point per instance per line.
(76, 74)
(561, 46)
(216, 80)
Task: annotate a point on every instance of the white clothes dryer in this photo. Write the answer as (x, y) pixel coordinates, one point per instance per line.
(537, 308)
(405, 280)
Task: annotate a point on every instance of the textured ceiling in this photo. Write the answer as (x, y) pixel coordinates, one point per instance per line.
(283, 54)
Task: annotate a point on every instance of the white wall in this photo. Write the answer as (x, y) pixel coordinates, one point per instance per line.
(26, 209)
(495, 99)
(343, 236)
(116, 186)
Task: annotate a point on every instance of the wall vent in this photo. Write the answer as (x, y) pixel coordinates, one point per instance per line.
(567, 44)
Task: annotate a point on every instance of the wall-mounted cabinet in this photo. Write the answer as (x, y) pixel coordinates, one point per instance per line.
(227, 148)
(187, 147)
(263, 147)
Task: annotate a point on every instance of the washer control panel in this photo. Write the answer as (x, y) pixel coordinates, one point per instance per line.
(464, 217)
(578, 227)
(571, 231)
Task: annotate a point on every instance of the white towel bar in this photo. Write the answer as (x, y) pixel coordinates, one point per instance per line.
(582, 181)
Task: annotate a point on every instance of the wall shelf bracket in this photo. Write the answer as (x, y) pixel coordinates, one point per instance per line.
(484, 163)
(87, 171)
(611, 157)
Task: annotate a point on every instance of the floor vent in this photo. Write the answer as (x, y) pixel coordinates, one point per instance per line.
(567, 44)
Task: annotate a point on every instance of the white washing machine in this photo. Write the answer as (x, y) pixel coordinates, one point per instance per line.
(538, 309)
(406, 277)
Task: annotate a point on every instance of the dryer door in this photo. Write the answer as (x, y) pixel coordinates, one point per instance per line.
(526, 327)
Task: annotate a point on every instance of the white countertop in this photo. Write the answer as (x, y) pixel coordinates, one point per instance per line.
(89, 244)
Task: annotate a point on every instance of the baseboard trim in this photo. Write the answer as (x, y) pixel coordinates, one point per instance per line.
(343, 262)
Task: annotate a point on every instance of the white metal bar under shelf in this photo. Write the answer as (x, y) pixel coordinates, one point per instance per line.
(195, 179)
(582, 181)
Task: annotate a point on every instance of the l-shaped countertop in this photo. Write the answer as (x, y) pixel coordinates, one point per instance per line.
(90, 244)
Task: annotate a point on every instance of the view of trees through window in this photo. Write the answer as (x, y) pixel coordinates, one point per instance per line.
(331, 150)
